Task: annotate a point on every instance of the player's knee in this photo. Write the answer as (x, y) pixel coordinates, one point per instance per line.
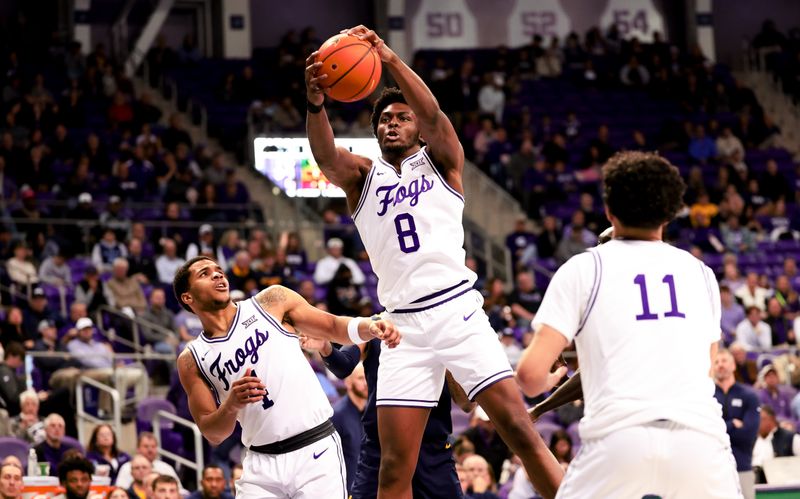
(395, 468)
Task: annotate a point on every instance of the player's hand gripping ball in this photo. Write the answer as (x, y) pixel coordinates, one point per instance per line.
(352, 67)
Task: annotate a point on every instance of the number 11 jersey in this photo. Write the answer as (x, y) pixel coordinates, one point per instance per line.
(410, 224)
(643, 315)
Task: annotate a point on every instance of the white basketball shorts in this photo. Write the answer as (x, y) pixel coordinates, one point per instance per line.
(455, 336)
(314, 471)
(661, 459)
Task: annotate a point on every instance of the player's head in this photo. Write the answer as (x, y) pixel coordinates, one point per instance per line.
(394, 123)
(641, 190)
(200, 284)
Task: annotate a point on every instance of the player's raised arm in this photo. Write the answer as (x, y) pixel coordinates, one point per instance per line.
(216, 423)
(435, 127)
(284, 303)
(339, 165)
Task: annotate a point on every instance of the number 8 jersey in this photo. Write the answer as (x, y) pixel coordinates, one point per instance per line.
(410, 224)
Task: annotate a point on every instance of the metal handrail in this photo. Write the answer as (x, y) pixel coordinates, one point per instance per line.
(83, 415)
(137, 322)
(198, 463)
(114, 356)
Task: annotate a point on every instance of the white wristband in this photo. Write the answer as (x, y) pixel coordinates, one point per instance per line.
(352, 330)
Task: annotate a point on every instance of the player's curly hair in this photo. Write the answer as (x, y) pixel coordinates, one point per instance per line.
(643, 190)
(389, 96)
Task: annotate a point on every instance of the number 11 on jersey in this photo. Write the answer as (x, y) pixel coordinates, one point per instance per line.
(646, 314)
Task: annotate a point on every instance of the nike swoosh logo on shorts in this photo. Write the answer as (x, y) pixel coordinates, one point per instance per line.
(316, 456)
(467, 317)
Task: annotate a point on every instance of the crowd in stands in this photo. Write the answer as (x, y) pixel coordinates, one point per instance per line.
(780, 53)
(100, 202)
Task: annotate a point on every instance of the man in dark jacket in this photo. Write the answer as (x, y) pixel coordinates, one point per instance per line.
(773, 441)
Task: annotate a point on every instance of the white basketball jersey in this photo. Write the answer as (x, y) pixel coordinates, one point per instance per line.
(410, 224)
(643, 315)
(295, 401)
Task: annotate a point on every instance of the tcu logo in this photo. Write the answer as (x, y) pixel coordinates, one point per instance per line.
(412, 191)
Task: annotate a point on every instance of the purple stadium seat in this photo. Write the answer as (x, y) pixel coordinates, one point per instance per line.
(147, 409)
(73, 442)
(12, 446)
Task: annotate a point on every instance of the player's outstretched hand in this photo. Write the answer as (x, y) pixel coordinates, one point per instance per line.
(386, 332)
(315, 345)
(247, 390)
(384, 52)
(314, 92)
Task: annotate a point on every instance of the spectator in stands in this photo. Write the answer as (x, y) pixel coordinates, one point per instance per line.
(125, 291)
(781, 327)
(168, 262)
(328, 265)
(13, 330)
(164, 340)
(241, 275)
(27, 425)
(75, 475)
(139, 467)
(11, 481)
(525, 299)
(774, 394)
(347, 414)
(701, 147)
(573, 243)
(56, 372)
(107, 250)
(166, 487)
(746, 369)
(286, 116)
(20, 268)
(13, 385)
(770, 37)
(97, 360)
(146, 446)
(736, 238)
(519, 240)
(633, 74)
(495, 300)
(114, 218)
(752, 332)
(175, 134)
(212, 484)
(236, 473)
(296, 258)
(53, 448)
(188, 327)
(728, 145)
(233, 192)
(343, 295)
(205, 245)
(549, 238)
(92, 291)
(786, 296)
(773, 441)
(740, 409)
(491, 98)
(483, 139)
(102, 450)
(511, 346)
(751, 294)
(703, 211)
(38, 310)
(487, 441)
(54, 270)
(481, 479)
(561, 446)
(140, 267)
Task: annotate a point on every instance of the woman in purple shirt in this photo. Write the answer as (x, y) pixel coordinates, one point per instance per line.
(102, 450)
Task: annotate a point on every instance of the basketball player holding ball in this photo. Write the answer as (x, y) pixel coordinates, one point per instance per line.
(407, 206)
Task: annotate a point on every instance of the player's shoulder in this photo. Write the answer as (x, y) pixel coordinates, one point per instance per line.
(272, 295)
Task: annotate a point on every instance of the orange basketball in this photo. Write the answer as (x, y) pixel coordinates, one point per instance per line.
(352, 65)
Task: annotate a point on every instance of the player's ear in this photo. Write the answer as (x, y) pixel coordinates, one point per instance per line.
(187, 298)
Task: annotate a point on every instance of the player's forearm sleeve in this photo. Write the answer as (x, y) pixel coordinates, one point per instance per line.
(341, 362)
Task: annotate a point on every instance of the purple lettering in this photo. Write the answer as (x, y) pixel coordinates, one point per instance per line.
(394, 195)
